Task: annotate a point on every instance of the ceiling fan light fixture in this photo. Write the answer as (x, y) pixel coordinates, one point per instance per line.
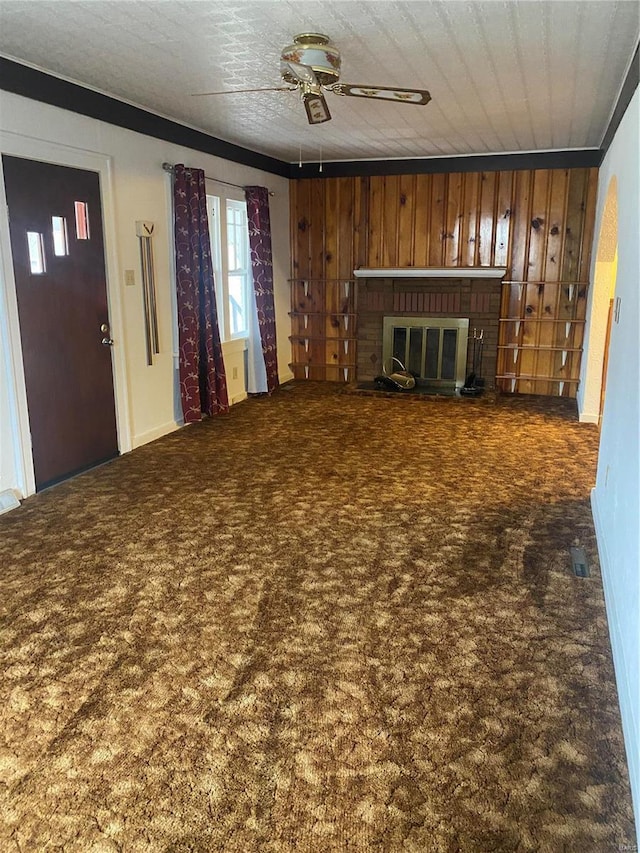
(314, 51)
(315, 106)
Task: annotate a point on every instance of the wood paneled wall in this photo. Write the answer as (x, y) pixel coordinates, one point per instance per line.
(538, 224)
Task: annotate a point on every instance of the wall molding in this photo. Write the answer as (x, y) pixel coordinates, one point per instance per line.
(627, 92)
(39, 85)
(154, 434)
(584, 158)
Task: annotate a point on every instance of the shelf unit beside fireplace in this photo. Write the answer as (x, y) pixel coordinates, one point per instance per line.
(323, 329)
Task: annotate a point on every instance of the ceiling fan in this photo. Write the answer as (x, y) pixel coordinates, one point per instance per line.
(311, 66)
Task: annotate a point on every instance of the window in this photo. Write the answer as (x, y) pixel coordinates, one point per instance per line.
(35, 244)
(82, 220)
(60, 239)
(230, 252)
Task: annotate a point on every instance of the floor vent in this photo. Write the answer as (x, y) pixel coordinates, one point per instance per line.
(579, 563)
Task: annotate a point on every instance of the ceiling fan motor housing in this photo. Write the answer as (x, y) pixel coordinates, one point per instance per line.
(314, 51)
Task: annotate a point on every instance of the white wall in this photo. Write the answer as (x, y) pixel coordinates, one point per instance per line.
(616, 496)
(134, 187)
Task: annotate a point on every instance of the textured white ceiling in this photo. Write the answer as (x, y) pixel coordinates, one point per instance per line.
(504, 76)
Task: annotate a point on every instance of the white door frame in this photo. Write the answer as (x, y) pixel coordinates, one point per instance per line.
(30, 148)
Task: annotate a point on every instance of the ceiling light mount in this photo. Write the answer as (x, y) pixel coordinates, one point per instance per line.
(314, 51)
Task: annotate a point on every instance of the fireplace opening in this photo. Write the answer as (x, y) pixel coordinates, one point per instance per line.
(433, 349)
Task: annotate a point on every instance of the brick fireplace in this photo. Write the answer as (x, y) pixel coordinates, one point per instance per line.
(476, 299)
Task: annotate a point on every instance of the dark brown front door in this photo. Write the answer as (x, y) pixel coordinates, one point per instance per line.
(55, 222)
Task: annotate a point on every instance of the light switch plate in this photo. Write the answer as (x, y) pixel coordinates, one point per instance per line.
(129, 278)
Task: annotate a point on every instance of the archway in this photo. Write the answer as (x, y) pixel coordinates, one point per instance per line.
(601, 309)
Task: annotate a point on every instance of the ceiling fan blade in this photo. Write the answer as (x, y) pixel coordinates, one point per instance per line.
(316, 107)
(385, 93)
(239, 92)
(295, 72)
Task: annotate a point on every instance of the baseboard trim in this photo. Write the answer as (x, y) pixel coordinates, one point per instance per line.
(628, 709)
(285, 377)
(238, 398)
(153, 434)
(588, 418)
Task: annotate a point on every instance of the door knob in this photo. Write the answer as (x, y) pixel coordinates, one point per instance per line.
(107, 340)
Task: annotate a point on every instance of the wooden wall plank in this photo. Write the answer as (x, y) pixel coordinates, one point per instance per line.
(471, 220)
(360, 221)
(300, 217)
(503, 219)
(521, 226)
(332, 216)
(406, 220)
(586, 242)
(317, 228)
(374, 221)
(422, 221)
(539, 225)
(578, 184)
(556, 215)
(435, 254)
(454, 216)
(487, 218)
(346, 228)
(390, 209)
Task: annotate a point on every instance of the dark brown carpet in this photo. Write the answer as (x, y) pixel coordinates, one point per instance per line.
(323, 622)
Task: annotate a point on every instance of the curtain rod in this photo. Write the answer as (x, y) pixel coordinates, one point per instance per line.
(169, 168)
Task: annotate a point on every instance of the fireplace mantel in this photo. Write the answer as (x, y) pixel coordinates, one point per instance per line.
(431, 272)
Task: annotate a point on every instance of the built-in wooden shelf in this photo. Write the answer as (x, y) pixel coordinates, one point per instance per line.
(528, 378)
(321, 314)
(539, 348)
(561, 320)
(329, 324)
(303, 338)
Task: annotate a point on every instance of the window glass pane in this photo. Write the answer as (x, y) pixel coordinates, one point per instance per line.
(237, 307)
(82, 220)
(36, 252)
(213, 209)
(60, 241)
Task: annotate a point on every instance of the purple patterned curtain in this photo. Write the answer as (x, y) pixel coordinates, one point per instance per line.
(203, 384)
(262, 266)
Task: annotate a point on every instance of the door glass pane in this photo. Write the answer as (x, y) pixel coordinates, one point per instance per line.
(36, 252)
(415, 351)
(82, 220)
(449, 339)
(60, 241)
(433, 345)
